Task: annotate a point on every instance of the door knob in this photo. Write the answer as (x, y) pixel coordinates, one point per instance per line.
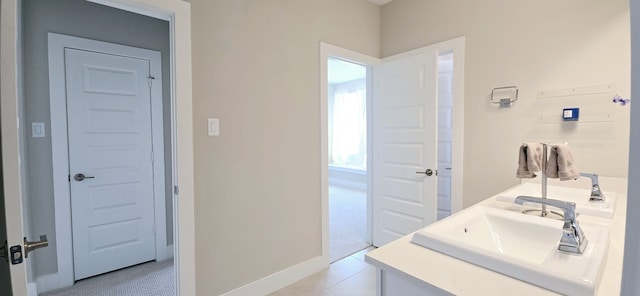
(428, 172)
(80, 177)
(30, 246)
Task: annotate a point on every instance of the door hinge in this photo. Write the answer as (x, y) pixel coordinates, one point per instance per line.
(4, 252)
(155, 229)
(152, 157)
(176, 190)
(151, 78)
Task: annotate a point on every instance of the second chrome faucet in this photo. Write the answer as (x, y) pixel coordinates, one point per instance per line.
(573, 239)
(596, 193)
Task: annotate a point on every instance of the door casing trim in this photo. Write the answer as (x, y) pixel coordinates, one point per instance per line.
(60, 147)
(457, 46)
(332, 51)
(178, 13)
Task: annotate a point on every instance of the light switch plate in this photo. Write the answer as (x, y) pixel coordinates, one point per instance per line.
(213, 127)
(37, 130)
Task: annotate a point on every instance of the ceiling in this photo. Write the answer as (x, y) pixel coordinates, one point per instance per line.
(380, 2)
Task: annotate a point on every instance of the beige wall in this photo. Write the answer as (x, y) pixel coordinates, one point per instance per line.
(536, 45)
(256, 68)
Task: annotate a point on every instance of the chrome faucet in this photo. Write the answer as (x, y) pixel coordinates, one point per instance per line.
(596, 193)
(573, 239)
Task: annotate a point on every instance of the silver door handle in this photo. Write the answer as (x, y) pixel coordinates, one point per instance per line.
(428, 172)
(80, 177)
(30, 246)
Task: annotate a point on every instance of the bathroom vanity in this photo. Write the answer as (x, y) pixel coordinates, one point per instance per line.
(406, 268)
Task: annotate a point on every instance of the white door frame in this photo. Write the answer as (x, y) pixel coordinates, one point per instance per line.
(178, 14)
(457, 46)
(60, 148)
(332, 51)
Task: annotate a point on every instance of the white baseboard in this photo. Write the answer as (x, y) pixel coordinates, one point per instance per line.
(169, 251)
(50, 282)
(166, 254)
(355, 185)
(281, 278)
(349, 178)
(32, 289)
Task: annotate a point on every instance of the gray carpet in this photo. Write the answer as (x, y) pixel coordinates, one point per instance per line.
(347, 222)
(148, 279)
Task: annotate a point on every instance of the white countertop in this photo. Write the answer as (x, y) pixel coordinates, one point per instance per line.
(458, 277)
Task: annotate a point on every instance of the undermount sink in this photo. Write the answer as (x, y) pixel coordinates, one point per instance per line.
(580, 197)
(520, 246)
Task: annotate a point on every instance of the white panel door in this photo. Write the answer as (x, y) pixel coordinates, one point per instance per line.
(5, 266)
(13, 272)
(109, 128)
(404, 145)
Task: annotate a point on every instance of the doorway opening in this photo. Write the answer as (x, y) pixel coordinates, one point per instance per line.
(111, 174)
(347, 140)
(107, 123)
(439, 69)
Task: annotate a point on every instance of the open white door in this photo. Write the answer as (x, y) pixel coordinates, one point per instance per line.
(404, 144)
(13, 251)
(10, 150)
(16, 249)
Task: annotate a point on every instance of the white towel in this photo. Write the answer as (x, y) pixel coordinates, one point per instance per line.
(529, 160)
(561, 164)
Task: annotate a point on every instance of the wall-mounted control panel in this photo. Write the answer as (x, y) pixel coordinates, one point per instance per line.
(570, 114)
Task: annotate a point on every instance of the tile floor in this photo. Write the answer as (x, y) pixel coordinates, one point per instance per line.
(351, 276)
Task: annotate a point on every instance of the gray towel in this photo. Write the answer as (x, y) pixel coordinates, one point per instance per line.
(552, 163)
(530, 160)
(561, 164)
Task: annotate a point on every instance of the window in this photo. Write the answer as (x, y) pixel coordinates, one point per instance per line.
(347, 115)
